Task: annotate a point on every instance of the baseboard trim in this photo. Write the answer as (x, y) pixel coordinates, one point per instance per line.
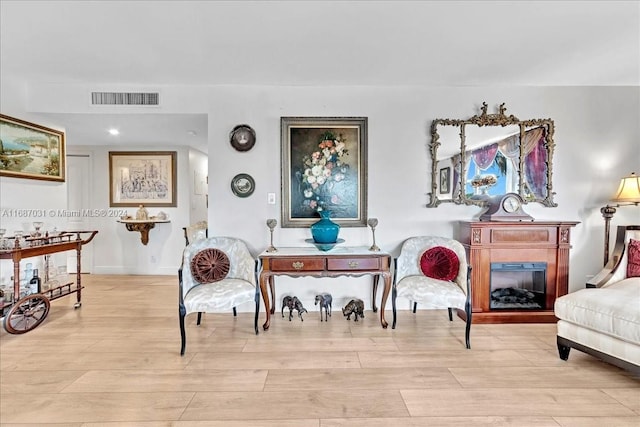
(120, 270)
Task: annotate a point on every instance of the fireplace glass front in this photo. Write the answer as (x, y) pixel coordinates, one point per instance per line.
(519, 285)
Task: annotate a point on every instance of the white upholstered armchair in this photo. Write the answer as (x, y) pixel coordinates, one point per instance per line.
(449, 285)
(217, 274)
(193, 232)
(604, 319)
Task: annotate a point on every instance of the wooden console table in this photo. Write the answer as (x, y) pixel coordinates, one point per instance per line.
(488, 242)
(340, 261)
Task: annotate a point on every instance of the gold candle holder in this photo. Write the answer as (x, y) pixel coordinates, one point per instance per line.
(271, 223)
(373, 222)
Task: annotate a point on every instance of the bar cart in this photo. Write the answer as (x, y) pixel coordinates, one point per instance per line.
(23, 313)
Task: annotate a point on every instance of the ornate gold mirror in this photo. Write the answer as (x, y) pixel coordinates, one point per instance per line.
(490, 155)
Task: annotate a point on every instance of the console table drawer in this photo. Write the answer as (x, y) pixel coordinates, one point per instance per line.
(297, 264)
(353, 264)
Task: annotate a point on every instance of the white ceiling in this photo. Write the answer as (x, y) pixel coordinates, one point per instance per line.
(425, 43)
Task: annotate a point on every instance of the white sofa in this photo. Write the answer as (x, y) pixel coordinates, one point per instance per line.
(604, 319)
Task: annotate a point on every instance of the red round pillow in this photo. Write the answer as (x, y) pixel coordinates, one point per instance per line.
(440, 263)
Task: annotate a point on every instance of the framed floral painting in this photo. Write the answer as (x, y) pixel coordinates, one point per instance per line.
(324, 167)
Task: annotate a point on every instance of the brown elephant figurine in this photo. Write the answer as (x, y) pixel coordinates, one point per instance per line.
(355, 307)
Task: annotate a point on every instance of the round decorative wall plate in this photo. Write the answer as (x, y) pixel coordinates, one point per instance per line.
(243, 185)
(242, 138)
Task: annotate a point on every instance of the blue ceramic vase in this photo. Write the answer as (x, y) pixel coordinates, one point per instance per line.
(325, 230)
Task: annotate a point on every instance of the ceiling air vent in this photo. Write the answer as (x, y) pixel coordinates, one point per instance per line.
(124, 98)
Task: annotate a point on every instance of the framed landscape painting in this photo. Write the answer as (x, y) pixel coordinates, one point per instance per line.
(142, 178)
(28, 150)
(324, 167)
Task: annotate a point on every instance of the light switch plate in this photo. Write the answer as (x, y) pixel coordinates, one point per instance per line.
(271, 198)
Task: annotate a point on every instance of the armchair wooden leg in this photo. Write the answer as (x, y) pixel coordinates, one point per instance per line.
(450, 314)
(199, 318)
(467, 331)
(415, 305)
(181, 314)
(255, 319)
(235, 313)
(394, 294)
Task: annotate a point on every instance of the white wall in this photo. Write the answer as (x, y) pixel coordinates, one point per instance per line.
(23, 200)
(114, 250)
(597, 142)
(119, 251)
(199, 165)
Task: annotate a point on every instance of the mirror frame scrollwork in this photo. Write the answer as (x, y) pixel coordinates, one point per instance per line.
(481, 120)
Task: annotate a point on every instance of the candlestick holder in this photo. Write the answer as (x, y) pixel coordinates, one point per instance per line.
(37, 225)
(271, 223)
(373, 222)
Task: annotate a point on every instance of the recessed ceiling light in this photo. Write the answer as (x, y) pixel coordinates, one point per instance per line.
(114, 131)
(192, 132)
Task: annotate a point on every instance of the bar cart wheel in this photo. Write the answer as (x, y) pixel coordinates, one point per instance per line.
(77, 305)
(26, 314)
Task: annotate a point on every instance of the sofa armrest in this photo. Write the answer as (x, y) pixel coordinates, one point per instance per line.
(616, 268)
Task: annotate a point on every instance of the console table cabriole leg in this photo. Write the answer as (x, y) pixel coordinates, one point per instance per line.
(264, 279)
(385, 294)
(376, 279)
(272, 287)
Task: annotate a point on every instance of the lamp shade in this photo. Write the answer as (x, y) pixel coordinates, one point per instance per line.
(629, 190)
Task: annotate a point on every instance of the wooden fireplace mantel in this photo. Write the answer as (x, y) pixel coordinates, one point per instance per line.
(489, 242)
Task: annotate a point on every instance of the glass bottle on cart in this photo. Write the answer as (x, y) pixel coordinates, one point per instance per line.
(35, 284)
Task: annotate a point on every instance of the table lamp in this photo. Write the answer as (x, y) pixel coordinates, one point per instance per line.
(628, 194)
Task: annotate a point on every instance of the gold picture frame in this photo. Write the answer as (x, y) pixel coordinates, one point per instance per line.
(31, 151)
(146, 178)
(324, 166)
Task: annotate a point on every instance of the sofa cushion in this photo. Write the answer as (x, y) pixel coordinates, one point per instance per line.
(633, 262)
(220, 296)
(612, 310)
(431, 293)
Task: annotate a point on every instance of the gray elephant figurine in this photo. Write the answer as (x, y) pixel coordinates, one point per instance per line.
(324, 300)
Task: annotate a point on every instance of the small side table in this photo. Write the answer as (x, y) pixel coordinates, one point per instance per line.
(143, 226)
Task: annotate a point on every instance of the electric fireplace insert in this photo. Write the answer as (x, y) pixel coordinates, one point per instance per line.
(519, 285)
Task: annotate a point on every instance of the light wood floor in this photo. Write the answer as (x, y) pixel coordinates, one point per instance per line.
(115, 361)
